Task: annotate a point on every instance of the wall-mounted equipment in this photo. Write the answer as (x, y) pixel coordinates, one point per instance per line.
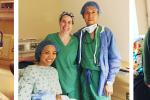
(6, 9)
(1, 39)
(7, 5)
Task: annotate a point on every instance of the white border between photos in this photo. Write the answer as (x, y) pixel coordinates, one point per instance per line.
(133, 27)
(16, 49)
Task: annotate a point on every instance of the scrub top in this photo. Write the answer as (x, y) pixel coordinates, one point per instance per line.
(91, 51)
(65, 63)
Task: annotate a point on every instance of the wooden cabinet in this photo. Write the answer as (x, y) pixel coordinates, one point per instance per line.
(7, 52)
(7, 27)
(6, 9)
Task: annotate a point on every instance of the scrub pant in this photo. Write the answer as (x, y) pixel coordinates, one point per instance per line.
(90, 87)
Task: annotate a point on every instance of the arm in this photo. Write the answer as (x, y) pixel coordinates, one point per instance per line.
(113, 61)
(26, 85)
(147, 59)
(113, 58)
(58, 87)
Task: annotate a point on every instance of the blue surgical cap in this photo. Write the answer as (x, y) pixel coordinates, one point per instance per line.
(41, 46)
(90, 3)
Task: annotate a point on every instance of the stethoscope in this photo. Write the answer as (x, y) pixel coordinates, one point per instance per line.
(1, 40)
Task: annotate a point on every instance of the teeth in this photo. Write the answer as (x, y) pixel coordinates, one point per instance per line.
(49, 60)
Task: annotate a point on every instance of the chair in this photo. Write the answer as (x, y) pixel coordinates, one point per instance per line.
(12, 68)
(23, 65)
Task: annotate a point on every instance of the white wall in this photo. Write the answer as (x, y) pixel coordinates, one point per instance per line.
(38, 17)
(148, 9)
(142, 16)
(116, 17)
(75, 7)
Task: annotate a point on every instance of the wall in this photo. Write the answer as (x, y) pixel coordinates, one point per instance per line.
(37, 18)
(115, 16)
(148, 9)
(6, 25)
(74, 7)
(7, 87)
(142, 16)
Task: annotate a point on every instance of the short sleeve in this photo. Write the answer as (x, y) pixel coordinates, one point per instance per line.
(57, 86)
(26, 84)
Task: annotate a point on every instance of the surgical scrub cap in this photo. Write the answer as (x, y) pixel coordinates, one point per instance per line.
(41, 46)
(90, 3)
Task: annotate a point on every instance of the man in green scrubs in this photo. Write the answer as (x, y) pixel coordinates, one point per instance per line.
(88, 62)
(97, 55)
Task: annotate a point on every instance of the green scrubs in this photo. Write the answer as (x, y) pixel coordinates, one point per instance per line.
(147, 58)
(88, 62)
(66, 65)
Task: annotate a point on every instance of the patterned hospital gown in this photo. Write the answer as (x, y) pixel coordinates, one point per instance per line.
(36, 78)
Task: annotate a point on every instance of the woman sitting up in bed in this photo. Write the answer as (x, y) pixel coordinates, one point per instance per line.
(41, 80)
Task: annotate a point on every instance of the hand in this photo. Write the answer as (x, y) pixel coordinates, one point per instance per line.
(148, 85)
(108, 90)
(58, 97)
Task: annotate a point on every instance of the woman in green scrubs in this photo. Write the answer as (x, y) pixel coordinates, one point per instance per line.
(66, 58)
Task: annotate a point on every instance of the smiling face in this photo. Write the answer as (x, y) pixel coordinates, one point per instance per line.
(48, 55)
(90, 15)
(66, 24)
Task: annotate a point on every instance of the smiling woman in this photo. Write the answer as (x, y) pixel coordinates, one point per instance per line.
(65, 62)
(41, 78)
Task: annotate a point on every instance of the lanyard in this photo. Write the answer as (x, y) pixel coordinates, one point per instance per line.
(96, 45)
